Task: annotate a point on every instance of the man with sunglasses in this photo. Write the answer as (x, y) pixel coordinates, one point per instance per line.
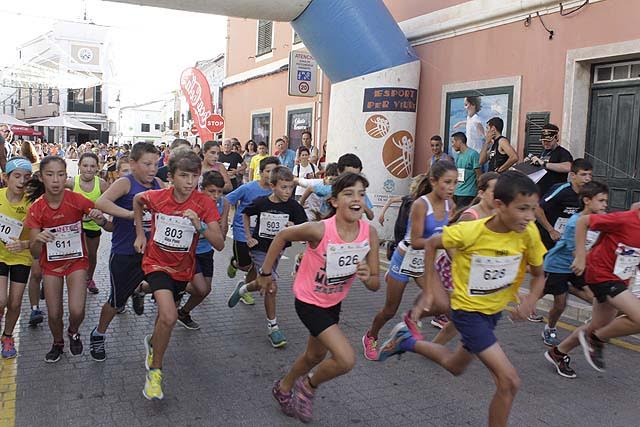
(554, 158)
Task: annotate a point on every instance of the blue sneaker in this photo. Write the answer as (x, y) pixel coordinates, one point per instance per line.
(235, 296)
(8, 347)
(550, 337)
(277, 339)
(399, 333)
(36, 317)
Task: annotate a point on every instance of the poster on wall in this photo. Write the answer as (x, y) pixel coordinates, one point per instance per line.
(298, 121)
(468, 111)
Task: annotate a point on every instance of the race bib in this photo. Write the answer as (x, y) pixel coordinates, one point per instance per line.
(627, 261)
(271, 224)
(561, 224)
(10, 229)
(592, 238)
(635, 287)
(146, 221)
(413, 262)
(67, 243)
(173, 233)
(253, 221)
(460, 174)
(343, 259)
(491, 274)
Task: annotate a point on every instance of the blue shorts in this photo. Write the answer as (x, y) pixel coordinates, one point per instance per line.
(476, 329)
(258, 259)
(394, 268)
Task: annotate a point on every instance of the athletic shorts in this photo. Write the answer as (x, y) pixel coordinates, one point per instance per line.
(257, 257)
(558, 283)
(92, 234)
(394, 268)
(607, 289)
(476, 329)
(16, 273)
(126, 274)
(204, 264)
(241, 254)
(317, 319)
(159, 280)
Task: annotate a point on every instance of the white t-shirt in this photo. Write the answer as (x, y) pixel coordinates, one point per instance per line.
(475, 139)
(307, 172)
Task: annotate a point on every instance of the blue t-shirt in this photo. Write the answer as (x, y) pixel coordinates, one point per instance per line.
(560, 257)
(288, 158)
(324, 191)
(244, 195)
(203, 244)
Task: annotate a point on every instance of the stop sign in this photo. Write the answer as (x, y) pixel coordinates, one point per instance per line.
(215, 123)
(194, 130)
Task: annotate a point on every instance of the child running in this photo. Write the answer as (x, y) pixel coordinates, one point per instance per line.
(125, 264)
(212, 185)
(274, 213)
(429, 213)
(340, 249)
(169, 256)
(91, 186)
(55, 220)
(489, 265)
(610, 263)
(15, 258)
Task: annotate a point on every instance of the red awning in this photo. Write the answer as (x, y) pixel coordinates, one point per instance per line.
(25, 131)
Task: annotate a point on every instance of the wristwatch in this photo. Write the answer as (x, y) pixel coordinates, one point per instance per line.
(544, 163)
(262, 273)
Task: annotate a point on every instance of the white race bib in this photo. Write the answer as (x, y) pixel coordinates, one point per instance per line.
(561, 224)
(592, 238)
(271, 224)
(173, 233)
(635, 287)
(627, 261)
(460, 174)
(67, 243)
(253, 221)
(343, 259)
(413, 262)
(491, 274)
(10, 229)
(146, 221)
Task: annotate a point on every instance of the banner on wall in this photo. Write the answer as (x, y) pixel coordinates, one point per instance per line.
(196, 89)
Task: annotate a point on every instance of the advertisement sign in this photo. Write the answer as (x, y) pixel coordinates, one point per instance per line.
(195, 88)
(303, 72)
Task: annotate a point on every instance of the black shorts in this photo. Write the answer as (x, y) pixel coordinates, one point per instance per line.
(92, 234)
(204, 264)
(126, 274)
(607, 289)
(547, 241)
(159, 280)
(16, 273)
(558, 283)
(317, 319)
(241, 254)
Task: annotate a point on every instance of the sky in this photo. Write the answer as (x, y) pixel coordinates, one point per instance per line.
(150, 46)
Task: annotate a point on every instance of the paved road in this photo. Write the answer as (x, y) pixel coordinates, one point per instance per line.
(222, 374)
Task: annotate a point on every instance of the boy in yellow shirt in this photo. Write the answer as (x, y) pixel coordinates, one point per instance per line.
(254, 165)
(490, 261)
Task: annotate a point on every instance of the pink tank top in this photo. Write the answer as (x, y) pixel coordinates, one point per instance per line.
(326, 272)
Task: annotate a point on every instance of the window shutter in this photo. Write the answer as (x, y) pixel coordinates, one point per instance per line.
(533, 130)
(265, 33)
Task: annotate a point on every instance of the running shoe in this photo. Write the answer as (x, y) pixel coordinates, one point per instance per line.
(592, 350)
(550, 337)
(91, 287)
(96, 346)
(8, 347)
(235, 297)
(153, 385)
(137, 301)
(399, 333)
(560, 362)
(370, 346)
(439, 321)
(277, 339)
(412, 326)
(284, 399)
(148, 347)
(247, 299)
(535, 318)
(55, 353)
(185, 320)
(75, 344)
(36, 317)
(302, 401)
(232, 269)
(121, 310)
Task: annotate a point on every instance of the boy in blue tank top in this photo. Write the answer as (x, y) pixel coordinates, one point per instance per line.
(125, 264)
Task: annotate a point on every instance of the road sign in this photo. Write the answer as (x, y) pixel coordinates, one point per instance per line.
(194, 130)
(215, 123)
(303, 72)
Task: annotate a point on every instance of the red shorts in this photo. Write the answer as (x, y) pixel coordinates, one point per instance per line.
(64, 268)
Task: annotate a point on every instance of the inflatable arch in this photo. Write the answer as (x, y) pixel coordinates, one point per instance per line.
(373, 70)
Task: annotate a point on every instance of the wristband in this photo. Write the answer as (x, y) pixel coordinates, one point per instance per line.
(203, 227)
(262, 273)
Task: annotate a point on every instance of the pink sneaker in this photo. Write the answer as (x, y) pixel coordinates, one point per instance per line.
(413, 326)
(302, 401)
(370, 345)
(284, 399)
(91, 287)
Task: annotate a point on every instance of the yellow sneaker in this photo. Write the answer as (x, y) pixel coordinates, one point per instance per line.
(153, 385)
(247, 299)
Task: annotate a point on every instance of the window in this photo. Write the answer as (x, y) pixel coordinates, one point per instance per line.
(50, 96)
(87, 100)
(298, 121)
(533, 132)
(261, 127)
(623, 71)
(296, 38)
(39, 96)
(144, 127)
(265, 37)
(19, 98)
(30, 97)
(156, 126)
(189, 117)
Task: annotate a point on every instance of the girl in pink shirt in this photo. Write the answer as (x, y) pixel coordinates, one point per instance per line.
(340, 249)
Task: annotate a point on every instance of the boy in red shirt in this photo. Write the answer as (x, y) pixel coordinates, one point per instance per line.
(610, 264)
(179, 215)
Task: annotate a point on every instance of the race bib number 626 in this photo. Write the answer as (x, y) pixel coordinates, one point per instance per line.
(343, 259)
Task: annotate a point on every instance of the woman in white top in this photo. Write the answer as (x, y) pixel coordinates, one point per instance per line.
(473, 125)
(304, 169)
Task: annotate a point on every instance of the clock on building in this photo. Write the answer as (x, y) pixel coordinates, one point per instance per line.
(85, 54)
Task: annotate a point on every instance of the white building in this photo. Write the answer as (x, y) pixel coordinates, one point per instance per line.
(143, 122)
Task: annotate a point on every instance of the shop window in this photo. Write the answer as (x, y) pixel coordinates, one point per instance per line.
(145, 127)
(298, 121)
(533, 132)
(265, 37)
(261, 127)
